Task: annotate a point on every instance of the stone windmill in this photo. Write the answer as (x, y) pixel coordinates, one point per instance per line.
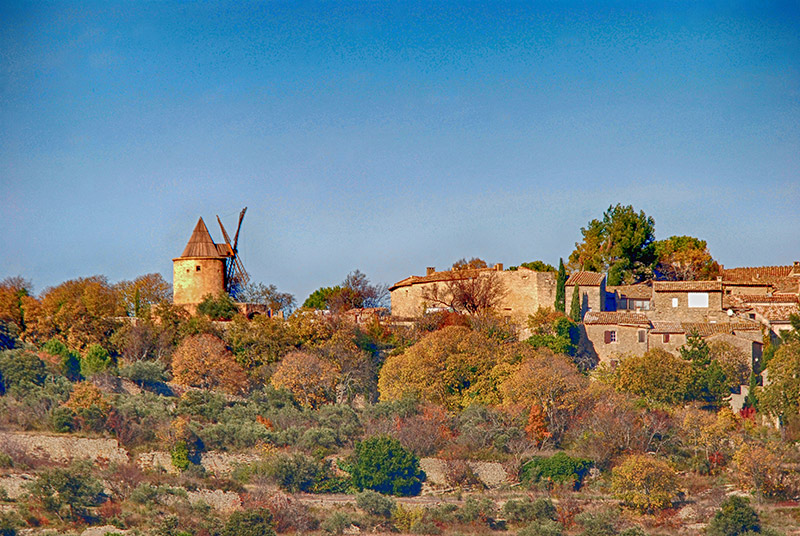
(207, 268)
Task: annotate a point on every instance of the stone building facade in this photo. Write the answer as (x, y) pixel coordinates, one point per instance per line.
(522, 291)
(592, 287)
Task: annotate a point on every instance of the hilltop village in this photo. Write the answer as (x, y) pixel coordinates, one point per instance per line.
(639, 387)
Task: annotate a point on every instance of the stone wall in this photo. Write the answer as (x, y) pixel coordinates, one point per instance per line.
(662, 308)
(64, 449)
(627, 341)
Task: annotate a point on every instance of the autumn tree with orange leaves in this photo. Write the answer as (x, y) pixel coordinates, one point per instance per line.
(311, 379)
(204, 361)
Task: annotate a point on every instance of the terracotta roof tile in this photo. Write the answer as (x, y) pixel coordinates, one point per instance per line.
(586, 279)
(785, 299)
(705, 329)
(616, 318)
(687, 286)
(640, 291)
(776, 313)
(757, 273)
(660, 326)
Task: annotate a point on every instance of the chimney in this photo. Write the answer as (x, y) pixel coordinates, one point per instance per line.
(430, 270)
(796, 268)
(499, 266)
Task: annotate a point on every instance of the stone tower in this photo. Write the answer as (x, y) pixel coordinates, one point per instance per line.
(200, 270)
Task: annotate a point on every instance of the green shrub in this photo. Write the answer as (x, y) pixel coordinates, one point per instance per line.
(318, 440)
(96, 360)
(145, 372)
(67, 492)
(62, 419)
(525, 510)
(375, 504)
(298, 472)
(734, 517)
(336, 523)
(19, 368)
(482, 510)
(382, 464)
(219, 307)
(542, 528)
(252, 522)
(180, 455)
(558, 469)
(5, 461)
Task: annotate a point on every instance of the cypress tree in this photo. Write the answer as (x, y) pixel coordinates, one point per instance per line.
(575, 306)
(561, 292)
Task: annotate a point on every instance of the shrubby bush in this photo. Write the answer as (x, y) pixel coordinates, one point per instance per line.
(542, 528)
(526, 510)
(382, 464)
(734, 517)
(336, 522)
(96, 360)
(20, 369)
(645, 483)
(67, 492)
(145, 373)
(375, 504)
(478, 510)
(252, 522)
(298, 472)
(559, 468)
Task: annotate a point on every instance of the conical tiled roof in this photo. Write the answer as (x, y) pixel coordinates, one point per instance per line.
(200, 244)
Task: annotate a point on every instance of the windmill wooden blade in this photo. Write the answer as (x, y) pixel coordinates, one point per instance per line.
(238, 228)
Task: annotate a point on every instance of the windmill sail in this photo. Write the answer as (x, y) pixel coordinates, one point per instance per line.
(236, 277)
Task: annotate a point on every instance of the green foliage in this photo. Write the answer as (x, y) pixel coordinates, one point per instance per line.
(375, 504)
(684, 258)
(575, 305)
(336, 523)
(251, 522)
(382, 464)
(559, 468)
(67, 492)
(561, 290)
(781, 397)
(298, 472)
(561, 336)
(657, 376)
(62, 419)
(8, 524)
(96, 360)
(526, 510)
(219, 307)
(19, 368)
(9, 333)
(542, 528)
(319, 298)
(536, 266)
(179, 455)
(478, 509)
(70, 362)
(734, 518)
(145, 372)
(621, 245)
(708, 381)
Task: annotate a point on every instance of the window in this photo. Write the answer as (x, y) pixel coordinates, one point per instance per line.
(665, 337)
(623, 303)
(609, 337)
(644, 305)
(698, 299)
(197, 268)
(642, 335)
(674, 302)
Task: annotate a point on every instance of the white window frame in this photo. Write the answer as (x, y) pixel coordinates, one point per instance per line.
(674, 302)
(697, 300)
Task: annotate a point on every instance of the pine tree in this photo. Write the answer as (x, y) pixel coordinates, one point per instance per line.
(561, 292)
(575, 306)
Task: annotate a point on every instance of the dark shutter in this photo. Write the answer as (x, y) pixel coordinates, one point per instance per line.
(607, 337)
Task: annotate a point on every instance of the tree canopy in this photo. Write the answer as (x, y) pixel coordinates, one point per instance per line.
(621, 245)
(684, 258)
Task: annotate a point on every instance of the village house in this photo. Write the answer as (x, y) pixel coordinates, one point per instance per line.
(520, 292)
(592, 287)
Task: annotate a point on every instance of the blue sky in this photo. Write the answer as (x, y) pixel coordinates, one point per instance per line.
(390, 136)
